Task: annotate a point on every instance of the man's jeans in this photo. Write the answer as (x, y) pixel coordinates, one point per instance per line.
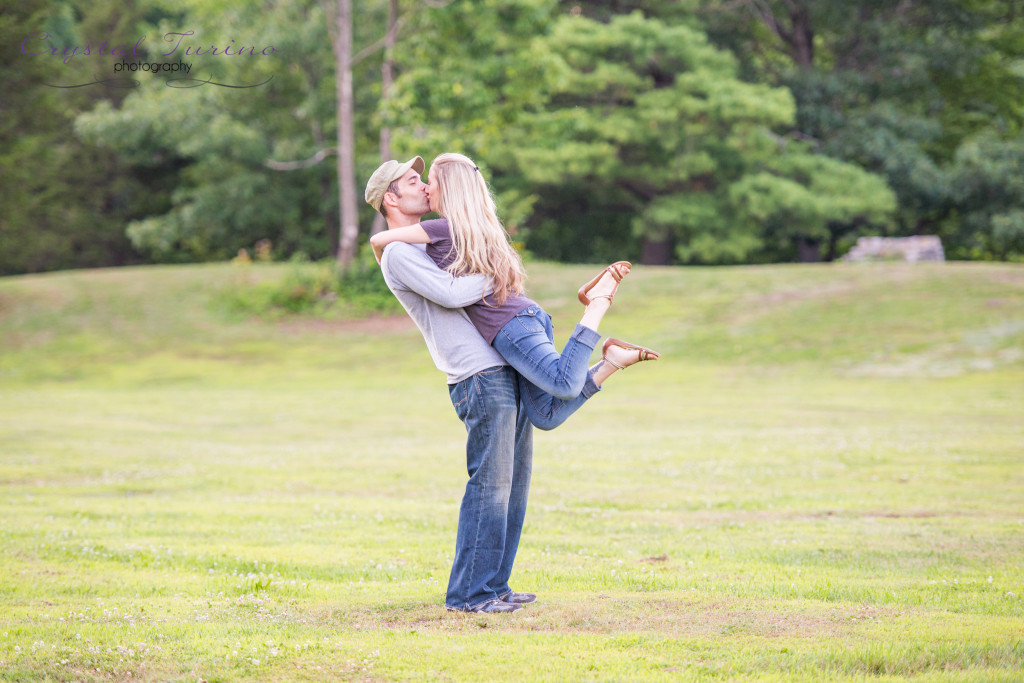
(499, 458)
(553, 385)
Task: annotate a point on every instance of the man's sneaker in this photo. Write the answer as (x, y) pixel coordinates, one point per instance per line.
(496, 606)
(518, 598)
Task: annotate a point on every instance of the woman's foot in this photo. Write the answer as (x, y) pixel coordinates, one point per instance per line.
(605, 284)
(623, 354)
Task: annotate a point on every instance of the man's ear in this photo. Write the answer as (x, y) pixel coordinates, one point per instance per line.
(389, 200)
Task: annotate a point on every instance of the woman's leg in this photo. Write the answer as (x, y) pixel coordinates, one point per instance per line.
(554, 385)
(527, 343)
(618, 355)
(601, 294)
(547, 412)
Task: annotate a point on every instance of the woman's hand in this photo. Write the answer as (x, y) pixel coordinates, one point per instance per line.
(378, 246)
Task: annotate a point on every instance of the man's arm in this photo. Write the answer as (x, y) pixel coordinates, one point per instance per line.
(409, 267)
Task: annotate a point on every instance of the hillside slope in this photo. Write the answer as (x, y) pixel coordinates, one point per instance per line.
(887, 320)
(819, 480)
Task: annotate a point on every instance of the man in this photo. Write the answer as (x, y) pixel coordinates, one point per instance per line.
(484, 391)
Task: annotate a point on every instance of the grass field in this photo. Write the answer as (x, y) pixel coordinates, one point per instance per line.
(821, 479)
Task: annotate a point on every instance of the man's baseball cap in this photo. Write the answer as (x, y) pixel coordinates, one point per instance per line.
(387, 173)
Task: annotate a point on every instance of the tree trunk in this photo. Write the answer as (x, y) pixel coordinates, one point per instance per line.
(349, 232)
(833, 244)
(657, 252)
(808, 250)
(330, 216)
(802, 36)
(387, 78)
(798, 35)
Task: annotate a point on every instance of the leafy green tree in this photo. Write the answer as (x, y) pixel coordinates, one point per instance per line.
(655, 119)
(463, 76)
(64, 202)
(615, 138)
(896, 88)
(988, 199)
(223, 143)
(809, 203)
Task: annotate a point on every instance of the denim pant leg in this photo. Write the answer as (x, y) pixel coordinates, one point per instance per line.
(488, 404)
(553, 385)
(547, 413)
(517, 501)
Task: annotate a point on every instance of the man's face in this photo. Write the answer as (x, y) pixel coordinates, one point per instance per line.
(411, 198)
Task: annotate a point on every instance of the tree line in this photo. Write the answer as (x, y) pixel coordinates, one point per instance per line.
(663, 131)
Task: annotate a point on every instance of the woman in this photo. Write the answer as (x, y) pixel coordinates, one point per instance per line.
(469, 238)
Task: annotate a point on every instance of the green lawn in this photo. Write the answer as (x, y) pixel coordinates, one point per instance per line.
(821, 479)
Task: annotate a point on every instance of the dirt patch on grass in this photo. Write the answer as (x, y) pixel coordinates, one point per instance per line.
(908, 514)
(786, 296)
(6, 304)
(1009, 277)
(757, 516)
(677, 616)
(689, 617)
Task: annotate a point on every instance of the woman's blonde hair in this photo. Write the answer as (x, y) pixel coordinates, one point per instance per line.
(479, 240)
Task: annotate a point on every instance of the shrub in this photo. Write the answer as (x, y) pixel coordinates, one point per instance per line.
(318, 289)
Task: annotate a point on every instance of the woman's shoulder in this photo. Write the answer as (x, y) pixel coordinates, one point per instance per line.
(437, 229)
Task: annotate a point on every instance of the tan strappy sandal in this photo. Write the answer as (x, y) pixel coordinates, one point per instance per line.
(616, 273)
(645, 353)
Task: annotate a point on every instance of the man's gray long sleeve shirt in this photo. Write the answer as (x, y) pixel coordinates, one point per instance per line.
(434, 300)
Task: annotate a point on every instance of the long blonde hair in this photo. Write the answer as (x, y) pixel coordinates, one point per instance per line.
(479, 240)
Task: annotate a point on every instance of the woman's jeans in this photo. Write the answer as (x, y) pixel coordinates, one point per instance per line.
(553, 385)
(499, 458)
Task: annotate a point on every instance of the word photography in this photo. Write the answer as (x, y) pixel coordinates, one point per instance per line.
(155, 67)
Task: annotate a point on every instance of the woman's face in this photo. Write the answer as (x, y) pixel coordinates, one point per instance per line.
(433, 192)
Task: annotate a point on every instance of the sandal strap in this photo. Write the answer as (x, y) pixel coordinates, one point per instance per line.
(616, 274)
(643, 353)
(609, 360)
(614, 270)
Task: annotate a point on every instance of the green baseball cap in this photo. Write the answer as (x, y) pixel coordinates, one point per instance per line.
(387, 173)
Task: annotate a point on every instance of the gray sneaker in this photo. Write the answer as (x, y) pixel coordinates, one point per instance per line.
(495, 606)
(518, 598)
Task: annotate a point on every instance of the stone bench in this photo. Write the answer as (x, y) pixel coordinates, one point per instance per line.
(912, 249)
